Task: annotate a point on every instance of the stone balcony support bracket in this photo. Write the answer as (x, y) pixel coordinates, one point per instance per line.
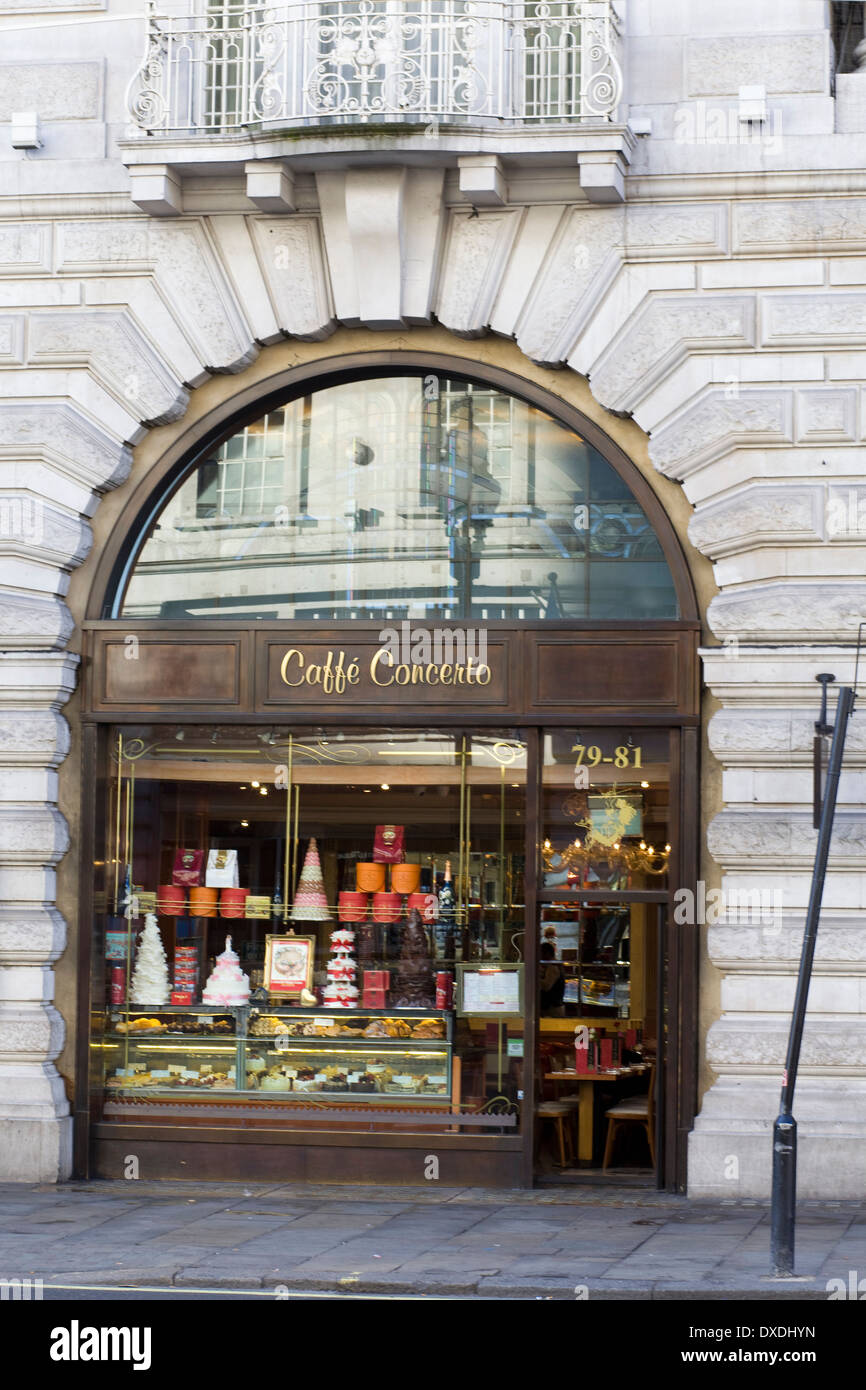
(156, 188)
(270, 185)
(602, 175)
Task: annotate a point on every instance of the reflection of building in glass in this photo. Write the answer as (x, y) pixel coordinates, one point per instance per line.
(403, 497)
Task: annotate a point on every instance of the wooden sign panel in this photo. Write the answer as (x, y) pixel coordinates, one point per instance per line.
(533, 674)
(348, 672)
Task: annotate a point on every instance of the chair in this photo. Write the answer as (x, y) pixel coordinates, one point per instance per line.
(634, 1110)
(559, 1116)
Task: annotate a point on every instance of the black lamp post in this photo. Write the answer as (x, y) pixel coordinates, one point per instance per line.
(784, 1196)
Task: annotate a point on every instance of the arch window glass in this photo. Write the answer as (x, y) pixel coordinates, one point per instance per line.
(415, 496)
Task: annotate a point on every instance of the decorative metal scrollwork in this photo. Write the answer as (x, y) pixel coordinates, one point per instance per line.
(373, 60)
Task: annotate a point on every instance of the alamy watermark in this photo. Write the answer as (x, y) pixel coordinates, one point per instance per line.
(438, 646)
(21, 1290)
(700, 123)
(733, 906)
(22, 519)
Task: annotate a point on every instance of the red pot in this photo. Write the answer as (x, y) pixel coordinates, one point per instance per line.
(233, 902)
(171, 900)
(425, 903)
(386, 907)
(352, 907)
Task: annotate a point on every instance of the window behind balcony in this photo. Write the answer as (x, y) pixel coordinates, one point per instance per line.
(552, 67)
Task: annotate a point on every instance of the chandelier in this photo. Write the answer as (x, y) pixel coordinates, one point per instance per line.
(604, 840)
(640, 858)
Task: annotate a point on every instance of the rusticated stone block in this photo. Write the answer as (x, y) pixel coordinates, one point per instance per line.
(26, 621)
(32, 835)
(57, 91)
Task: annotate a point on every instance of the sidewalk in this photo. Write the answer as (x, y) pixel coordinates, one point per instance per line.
(615, 1243)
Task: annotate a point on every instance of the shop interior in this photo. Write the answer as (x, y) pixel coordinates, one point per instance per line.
(328, 928)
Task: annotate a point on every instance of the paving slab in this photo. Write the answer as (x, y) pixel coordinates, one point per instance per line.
(460, 1242)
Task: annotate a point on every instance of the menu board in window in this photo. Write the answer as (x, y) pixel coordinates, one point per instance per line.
(493, 991)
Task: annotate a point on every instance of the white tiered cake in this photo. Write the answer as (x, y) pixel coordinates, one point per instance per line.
(341, 991)
(227, 984)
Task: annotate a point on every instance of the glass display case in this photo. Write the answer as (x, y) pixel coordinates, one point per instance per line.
(172, 1050)
(368, 1056)
(279, 1053)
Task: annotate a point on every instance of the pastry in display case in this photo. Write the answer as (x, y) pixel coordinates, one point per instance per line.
(370, 1055)
(278, 1052)
(171, 1050)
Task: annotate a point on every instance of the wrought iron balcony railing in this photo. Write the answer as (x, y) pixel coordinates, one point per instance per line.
(240, 65)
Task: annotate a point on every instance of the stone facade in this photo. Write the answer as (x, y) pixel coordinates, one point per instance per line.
(720, 304)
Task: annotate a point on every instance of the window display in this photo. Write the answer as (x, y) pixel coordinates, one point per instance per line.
(313, 895)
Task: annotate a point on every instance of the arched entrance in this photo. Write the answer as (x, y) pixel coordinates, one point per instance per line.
(395, 630)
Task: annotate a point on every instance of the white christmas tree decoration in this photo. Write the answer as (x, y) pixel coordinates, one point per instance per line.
(150, 977)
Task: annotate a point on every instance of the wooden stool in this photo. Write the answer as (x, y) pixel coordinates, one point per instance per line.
(635, 1110)
(573, 1103)
(560, 1116)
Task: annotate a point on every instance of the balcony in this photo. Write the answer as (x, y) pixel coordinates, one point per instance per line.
(241, 68)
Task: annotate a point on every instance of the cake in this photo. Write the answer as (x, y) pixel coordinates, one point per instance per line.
(340, 991)
(227, 984)
(365, 1082)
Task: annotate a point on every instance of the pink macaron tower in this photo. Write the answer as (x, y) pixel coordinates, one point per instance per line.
(340, 991)
(311, 903)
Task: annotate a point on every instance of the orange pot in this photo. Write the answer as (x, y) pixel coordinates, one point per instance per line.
(203, 902)
(370, 878)
(405, 877)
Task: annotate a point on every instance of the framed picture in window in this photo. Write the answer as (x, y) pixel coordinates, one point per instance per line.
(289, 965)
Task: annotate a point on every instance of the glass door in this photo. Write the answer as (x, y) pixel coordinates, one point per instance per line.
(604, 875)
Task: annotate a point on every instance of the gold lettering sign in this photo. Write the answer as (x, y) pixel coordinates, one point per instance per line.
(338, 673)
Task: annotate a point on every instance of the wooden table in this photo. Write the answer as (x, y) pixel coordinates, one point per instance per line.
(586, 1099)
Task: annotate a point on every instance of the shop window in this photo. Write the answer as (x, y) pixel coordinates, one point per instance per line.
(371, 883)
(422, 496)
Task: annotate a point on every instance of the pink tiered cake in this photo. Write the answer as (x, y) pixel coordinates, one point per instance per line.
(227, 984)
